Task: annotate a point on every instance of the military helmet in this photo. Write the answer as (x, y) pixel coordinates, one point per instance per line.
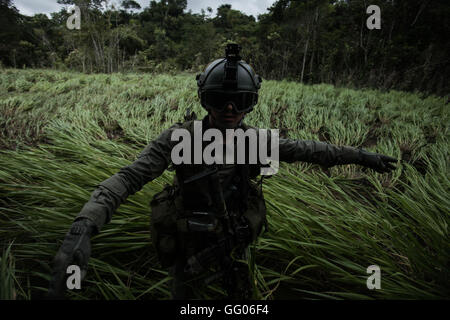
(229, 80)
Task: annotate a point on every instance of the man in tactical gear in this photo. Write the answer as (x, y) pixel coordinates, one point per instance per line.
(212, 213)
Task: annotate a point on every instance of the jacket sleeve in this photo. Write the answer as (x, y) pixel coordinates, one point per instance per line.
(112, 192)
(322, 153)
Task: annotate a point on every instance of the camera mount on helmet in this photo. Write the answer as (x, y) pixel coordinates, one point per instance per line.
(231, 66)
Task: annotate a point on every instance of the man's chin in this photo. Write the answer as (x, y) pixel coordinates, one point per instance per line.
(222, 123)
(226, 125)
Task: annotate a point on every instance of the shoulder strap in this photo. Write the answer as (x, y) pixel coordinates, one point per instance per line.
(190, 115)
(180, 169)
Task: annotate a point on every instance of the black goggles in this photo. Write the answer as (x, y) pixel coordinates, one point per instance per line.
(242, 101)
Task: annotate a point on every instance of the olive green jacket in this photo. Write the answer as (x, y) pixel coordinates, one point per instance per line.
(156, 158)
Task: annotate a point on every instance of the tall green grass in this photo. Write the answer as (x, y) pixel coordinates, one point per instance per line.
(61, 134)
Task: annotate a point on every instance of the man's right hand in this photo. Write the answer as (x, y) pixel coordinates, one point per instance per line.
(75, 250)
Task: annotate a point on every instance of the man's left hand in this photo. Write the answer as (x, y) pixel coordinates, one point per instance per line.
(376, 161)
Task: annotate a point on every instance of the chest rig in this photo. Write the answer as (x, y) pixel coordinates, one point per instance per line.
(203, 206)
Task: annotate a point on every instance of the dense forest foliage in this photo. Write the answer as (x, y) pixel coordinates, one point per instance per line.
(310, 41)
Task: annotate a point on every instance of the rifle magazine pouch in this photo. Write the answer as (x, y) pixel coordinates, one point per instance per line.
(163, 226)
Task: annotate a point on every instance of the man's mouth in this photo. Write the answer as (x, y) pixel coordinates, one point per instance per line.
(229, 117)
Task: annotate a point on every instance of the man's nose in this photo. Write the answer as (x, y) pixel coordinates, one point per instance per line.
(229, 107)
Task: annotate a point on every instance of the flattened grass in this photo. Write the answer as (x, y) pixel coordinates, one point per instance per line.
(64, 133)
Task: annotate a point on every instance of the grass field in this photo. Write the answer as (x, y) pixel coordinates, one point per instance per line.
(61, 134)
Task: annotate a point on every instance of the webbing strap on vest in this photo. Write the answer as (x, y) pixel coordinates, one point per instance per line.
(200, 175)
(244, 171)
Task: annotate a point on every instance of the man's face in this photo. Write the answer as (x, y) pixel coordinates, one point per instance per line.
(227, 119)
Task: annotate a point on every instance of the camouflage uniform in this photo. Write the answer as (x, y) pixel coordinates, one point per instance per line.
(156, 158)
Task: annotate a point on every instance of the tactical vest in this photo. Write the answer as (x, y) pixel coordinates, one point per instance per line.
(179, 224)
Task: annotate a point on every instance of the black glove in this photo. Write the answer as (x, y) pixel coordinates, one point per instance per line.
(75, 250)
(376, 161)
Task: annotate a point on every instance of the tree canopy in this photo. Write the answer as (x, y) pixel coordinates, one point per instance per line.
(309, 41)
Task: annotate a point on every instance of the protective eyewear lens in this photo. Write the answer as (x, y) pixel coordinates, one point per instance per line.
(242, 101)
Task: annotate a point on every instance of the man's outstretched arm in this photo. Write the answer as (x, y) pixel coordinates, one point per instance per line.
(112, 192)
(329, 155)
(104, 201)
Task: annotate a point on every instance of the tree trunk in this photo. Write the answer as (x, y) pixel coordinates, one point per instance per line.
(304, 58)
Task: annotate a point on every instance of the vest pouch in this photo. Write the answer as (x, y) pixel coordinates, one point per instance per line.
(163, 225)
(201, 222)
